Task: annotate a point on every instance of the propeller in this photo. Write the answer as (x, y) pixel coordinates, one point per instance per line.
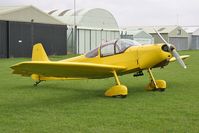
(172, 50)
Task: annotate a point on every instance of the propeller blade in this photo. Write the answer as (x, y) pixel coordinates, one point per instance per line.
(172, 50)
(162, 38)
(177, 56)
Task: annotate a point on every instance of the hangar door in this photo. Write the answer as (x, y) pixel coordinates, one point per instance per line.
(181, 43)
(53, 38)
(88, 39)
(195, 42)
(22, 37)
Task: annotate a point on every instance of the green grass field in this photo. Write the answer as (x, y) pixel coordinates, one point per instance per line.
(80, 106)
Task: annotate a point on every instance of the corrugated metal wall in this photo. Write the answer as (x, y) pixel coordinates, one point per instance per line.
(17, 38)
(70, 40)
(93, 39)
(53, 38)
(181, 43)
(88, 39)
(20, 39)
(195, 42)
(157, 39)
(3, 39)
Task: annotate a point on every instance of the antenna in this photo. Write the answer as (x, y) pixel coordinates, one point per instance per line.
(74, 29)
(74, 13)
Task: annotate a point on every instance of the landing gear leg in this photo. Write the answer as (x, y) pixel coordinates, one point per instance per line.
(118, 89)
(154, 85)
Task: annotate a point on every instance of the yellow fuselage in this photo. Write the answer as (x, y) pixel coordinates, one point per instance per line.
(135, 58)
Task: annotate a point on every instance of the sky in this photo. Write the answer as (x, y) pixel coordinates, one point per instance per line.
(129, 12)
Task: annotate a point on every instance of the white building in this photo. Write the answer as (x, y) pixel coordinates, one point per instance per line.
(138, 35)
(193, 40)
(172, 34)
(94, 26)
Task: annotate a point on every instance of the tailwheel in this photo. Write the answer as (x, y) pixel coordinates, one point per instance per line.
(37, 82)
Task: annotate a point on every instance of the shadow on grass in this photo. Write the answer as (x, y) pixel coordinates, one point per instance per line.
(95, 91)
(59, 96)
(71, 93)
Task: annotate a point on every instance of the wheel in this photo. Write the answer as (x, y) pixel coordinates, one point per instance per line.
(35, 85)
(161, 89)
(123, 96)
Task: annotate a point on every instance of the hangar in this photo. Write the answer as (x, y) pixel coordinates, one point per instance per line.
(173, 34)
(193, 40)
(23, 26)
(93, 26)
(138, 35)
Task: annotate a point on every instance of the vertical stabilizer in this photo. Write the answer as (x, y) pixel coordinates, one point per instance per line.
(38, 53)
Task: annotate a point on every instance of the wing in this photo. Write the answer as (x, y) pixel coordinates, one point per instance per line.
(182, 57)
(65, 69)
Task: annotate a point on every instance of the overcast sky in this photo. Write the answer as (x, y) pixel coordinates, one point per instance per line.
(129, 12)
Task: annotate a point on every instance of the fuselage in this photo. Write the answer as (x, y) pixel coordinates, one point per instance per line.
(134, 58)
(116, 57)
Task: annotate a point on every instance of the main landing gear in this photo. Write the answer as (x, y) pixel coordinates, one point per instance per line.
(155, 85)
(118, 89)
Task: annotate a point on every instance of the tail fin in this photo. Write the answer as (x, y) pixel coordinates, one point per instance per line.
(38, 53)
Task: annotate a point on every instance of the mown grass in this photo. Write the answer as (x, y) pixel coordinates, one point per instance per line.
(80, 106)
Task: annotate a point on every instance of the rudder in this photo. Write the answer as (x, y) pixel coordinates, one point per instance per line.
(38, 53)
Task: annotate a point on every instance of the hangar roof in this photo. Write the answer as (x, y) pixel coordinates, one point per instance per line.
(87, 18)
(194, 30)
(150, 29)
(139, 33)
(26, 14)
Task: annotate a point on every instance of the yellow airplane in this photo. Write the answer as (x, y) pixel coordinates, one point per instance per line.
(111, 59)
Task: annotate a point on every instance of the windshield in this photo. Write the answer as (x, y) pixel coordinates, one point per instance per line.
(123, 44)
(128, 42)
(92, 53)
(113, 47)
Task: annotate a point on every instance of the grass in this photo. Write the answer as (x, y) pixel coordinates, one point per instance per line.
(80, 106)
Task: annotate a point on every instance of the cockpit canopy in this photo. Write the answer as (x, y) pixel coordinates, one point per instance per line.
(112, 47)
